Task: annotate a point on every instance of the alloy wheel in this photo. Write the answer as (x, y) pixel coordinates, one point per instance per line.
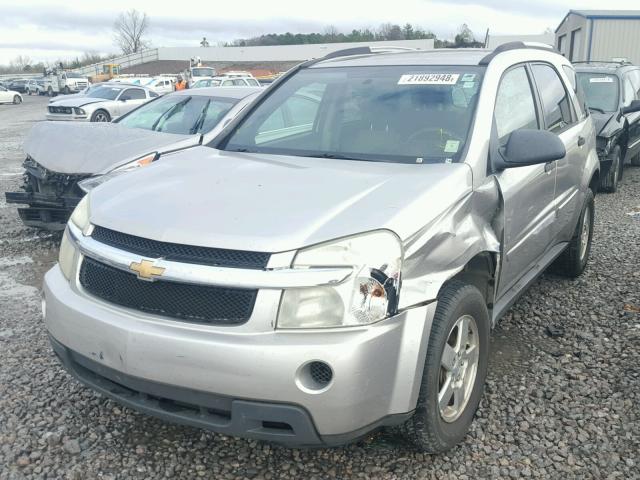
(586, 230)
(458, 368)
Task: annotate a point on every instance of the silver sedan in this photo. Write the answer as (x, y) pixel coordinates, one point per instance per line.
(103, 104)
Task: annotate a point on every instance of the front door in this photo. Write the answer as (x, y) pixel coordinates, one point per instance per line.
(528, 192)
(631, 88)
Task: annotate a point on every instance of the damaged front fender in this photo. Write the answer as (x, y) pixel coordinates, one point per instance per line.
(441, 249)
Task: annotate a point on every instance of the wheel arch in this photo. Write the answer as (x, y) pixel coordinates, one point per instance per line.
(480, 271)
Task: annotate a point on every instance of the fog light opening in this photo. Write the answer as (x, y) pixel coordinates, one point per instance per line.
(314, 377)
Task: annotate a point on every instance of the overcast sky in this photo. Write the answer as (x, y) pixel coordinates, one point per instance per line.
(47, 30)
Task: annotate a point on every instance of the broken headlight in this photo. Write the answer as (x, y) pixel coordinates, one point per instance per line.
(369, 295)
(90, 183)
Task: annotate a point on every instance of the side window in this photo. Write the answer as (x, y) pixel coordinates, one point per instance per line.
(238, 82)
(153, 94)
(227, 83)
(555, 102)
(252, 82)
(629, 91)
(133, 94)
(515, 108)
(577, 88)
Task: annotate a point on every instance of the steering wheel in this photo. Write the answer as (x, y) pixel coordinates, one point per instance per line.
(429, 133)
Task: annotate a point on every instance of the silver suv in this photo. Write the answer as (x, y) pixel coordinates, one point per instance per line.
(335, 260)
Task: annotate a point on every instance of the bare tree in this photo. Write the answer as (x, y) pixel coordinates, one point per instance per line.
(129, 30)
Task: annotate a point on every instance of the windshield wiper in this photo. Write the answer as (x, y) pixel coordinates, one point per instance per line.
(596, 109)
(336, 156)
(200, 122)
(169, 113)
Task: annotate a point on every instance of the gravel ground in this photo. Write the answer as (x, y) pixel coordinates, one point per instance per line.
(562, 407)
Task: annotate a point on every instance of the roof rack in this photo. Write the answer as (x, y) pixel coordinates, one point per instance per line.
(614, 62)
(505, 47)
(347, 52)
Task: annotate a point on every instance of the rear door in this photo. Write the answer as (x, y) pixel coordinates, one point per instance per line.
(560, 117)
(528, 192)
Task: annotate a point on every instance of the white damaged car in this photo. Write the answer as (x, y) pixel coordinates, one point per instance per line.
(66, 160)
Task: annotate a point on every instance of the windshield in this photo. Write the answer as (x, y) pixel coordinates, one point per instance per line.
(108, 93)
(601, 90)
(391, 113)
(74, 75)
(180, 114)
(203, 72)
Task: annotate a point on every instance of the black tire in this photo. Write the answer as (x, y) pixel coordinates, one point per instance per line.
(572, 262)
(609, 182)
(66, 90)
(100, 116)
(427, 429)
(50, 92)
(17, 100)
(635, 160)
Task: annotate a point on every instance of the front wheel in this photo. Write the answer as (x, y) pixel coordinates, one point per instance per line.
(17, 100)
(100, 116)
(635, 160)
(572, 262)
(50, 92)
(66, 90)
(454, 371)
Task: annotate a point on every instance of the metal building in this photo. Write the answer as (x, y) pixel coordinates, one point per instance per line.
(585, 35)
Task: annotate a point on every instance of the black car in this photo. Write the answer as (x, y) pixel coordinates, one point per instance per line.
(612, 94)
(19, 85)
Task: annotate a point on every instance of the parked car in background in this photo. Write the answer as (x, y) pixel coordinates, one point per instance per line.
(198, 72)
(327, 267)
(32, 87)
(103, 104)
(65, 160)
(18, 85)
(227, 82)
(10, 96)
(160, 85)
(612, 93)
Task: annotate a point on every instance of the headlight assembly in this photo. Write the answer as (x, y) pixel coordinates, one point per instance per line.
(80, 216)
(80, 219)
(90, 183)
(79, 111)
(369, 295)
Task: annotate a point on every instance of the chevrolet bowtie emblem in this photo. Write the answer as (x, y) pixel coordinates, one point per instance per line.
(146, 270)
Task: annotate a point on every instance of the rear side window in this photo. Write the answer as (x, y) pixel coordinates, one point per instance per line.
(515, 108)
(555, 102)
(133, 94)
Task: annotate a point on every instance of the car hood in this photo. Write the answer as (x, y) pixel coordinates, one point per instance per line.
(90, 148)
(79, 101)
(270, 203)
(72, 96)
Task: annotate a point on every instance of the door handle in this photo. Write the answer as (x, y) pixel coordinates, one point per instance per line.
(581, 141)
(548, 167)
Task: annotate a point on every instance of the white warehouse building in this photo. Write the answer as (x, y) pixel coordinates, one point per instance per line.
(588, 35)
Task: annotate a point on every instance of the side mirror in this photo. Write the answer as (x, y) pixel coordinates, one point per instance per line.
(531, 147)
(633, 108)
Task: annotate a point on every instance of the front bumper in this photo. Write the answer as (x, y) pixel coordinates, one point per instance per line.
(44, 211)
(66, 117)
(377, 369)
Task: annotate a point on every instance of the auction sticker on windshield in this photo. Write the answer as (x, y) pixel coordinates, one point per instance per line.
(429, 79)
(601, 80)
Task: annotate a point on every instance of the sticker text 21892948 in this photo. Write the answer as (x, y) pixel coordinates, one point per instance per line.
(429, 79)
